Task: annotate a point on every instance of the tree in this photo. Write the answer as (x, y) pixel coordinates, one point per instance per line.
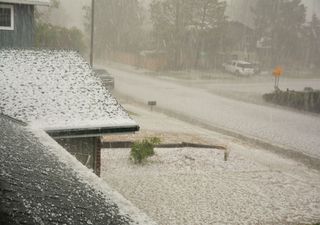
(42, 16)
(169, 22)
(281, 21)
(208, 19)
(117, 26)
(49, 36)
(237, 36)
(312, 42)
(185, 28)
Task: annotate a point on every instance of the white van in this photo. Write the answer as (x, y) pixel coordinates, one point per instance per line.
(239, 67)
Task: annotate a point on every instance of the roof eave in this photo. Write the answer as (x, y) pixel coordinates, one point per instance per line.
(91, 132)
(41, 3)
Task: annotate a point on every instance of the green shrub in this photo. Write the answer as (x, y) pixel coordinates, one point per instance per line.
(56, 37)
(295, 99)
(140, 150)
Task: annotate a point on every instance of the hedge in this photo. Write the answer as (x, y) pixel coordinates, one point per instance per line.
(303, 100)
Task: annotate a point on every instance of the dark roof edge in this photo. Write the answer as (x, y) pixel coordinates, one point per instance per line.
(13, 119)
(30, 2)
(92, 132)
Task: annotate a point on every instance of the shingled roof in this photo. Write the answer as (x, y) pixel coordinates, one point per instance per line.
(41, 183)
(27, 2)
(57, 91)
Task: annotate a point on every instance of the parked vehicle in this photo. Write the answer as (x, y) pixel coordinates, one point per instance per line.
(239, 67)
(257, 67)
(106, 78)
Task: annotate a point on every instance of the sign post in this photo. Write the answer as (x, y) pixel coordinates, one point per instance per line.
(152, 104)
(277, 73)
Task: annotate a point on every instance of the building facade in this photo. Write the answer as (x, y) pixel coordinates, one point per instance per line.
(86, 149)
(17, 23)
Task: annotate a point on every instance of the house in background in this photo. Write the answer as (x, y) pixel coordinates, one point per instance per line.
(57, 91)
(17, 22)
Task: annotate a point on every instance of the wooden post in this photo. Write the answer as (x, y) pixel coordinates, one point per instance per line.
(226, 155)
(97, 150)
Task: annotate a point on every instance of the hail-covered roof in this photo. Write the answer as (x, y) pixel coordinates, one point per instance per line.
(41, 183)
(27, 2)
(56, 90)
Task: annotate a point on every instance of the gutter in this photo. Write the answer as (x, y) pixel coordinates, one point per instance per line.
(32, 2)
(91, 132)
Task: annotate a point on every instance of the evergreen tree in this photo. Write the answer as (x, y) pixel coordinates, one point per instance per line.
(117, 26)
(313, 42)
(208, 21)
(185, 28)
(282, 22)
(170, 18)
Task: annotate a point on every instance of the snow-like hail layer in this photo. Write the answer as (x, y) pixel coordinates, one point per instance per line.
(188, 186)
(56, 90)
(85, 175)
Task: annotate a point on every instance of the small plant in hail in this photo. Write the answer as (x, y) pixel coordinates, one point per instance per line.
(141, 150)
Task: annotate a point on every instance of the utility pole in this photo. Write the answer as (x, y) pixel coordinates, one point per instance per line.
(92, 32)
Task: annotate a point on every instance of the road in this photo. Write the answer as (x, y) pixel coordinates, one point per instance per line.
(251, 89)
(289, 129)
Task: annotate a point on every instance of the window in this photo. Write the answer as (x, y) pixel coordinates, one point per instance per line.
(6, 17)
(245, 65)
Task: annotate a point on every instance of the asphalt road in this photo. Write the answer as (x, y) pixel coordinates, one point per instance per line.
(288, 129)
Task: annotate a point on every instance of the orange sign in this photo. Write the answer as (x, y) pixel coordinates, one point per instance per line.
(277, 72)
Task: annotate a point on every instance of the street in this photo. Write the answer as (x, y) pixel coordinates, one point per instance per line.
(293, 130)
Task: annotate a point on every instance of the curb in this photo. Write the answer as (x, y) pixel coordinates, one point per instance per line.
(128, 144)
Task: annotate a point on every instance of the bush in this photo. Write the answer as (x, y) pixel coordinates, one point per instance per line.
(309, 101)
(140, 150)
(50, 36)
